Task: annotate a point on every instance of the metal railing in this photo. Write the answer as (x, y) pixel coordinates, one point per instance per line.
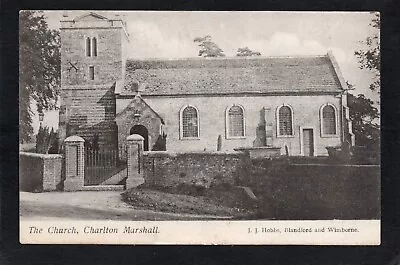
(101, 165)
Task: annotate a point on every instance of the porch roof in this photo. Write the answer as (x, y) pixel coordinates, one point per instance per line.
(133, 105)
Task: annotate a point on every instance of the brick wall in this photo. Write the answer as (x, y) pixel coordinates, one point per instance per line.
(39, 172)
(170, 169)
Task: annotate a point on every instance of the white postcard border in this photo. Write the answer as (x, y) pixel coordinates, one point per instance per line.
(348, 232)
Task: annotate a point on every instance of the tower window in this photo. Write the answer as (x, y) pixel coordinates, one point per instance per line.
(88, 46)
(94, 47)
(91, 72)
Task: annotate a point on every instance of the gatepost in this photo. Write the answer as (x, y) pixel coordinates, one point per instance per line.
(74, 163)
(135, 154)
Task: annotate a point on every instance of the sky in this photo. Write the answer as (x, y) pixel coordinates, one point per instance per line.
(170, 35)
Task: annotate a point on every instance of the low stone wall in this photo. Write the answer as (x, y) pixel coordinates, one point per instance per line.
(39, 172)
(171, 169)
(261, 151)
(318, 191)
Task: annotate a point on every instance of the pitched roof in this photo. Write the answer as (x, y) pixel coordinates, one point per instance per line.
(133, 103)
(90, 15)
(248, 75)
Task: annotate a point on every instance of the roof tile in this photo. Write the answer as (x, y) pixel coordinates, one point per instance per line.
(199, 76)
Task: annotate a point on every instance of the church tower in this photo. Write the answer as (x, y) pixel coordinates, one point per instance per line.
(91, 63)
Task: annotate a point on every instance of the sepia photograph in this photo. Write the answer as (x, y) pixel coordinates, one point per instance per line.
(245, 127)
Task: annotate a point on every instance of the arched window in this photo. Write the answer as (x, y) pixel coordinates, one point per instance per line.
(235, 122)
(88, 46)
(328, 121)
(285, 121)
(94, 46)
(189, 122)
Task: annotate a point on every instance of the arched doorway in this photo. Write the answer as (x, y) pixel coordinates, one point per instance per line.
(142, 131)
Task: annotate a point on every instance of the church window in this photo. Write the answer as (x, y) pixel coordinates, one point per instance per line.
(328, 120)
(285, 121)
(91, 72)
(235, 122)
(189, 122)
(88, 51)
(94, 46)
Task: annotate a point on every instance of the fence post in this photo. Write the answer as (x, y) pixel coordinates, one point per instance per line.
(74, 163)
(135, 158)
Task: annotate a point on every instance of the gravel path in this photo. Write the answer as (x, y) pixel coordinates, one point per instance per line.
(89, 205)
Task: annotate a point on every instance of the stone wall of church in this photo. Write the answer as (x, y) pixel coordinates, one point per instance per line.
(88, 106)
(108, 62)
(90, 112)
(126, 120)
(306, 113)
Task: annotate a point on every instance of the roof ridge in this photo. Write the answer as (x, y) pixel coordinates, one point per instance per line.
(230, 58)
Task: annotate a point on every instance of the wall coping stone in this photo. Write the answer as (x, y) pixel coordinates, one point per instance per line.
(257, 148)
(200, 153)
(134, 137)
(335, 165)
(74, 138)
(44, 156)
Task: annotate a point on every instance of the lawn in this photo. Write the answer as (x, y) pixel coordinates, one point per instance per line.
(226, 203)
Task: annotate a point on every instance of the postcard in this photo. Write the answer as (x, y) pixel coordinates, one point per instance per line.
(215, 128)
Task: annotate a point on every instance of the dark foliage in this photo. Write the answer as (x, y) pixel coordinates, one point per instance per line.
(370, 57)
(39, 68)
(45, 140)
(161, 143)
(364, 118)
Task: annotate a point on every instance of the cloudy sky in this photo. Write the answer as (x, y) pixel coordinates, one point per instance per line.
(171, 34)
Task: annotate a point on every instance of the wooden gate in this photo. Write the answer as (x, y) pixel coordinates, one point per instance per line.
(102, 165)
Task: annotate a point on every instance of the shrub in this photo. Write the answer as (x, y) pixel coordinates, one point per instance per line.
(339, 154)
(46, 139)
(161, 143)
(365, 155)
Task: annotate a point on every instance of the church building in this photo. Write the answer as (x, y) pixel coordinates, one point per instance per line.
(297, 104)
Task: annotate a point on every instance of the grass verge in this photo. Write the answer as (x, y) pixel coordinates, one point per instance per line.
(222, 203)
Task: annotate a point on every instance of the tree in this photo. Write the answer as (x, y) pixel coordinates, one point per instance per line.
(39, 68)
(246, 52)
(46, 139)
(364, 117)
(209, 48)
(370, 58)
